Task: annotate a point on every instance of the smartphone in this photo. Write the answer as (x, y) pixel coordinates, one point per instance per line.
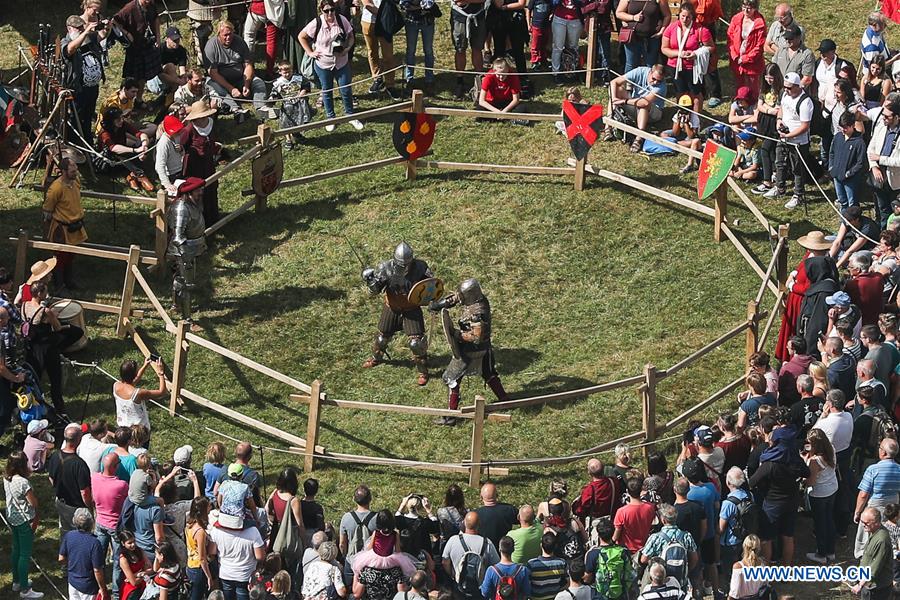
(154, 357)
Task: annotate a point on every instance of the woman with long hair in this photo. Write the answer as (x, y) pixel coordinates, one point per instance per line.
(452, 513)
(682, 41)
(767, 107)
(875, 84)
(741, 587)
(819, 372)
(134, 566)
(285, 498)
(823, 486)
(167, 570)
(22, 515)
(199, 572)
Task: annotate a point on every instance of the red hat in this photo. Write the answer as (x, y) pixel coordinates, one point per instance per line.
(171, 125)
(743, 93)
(190, 184)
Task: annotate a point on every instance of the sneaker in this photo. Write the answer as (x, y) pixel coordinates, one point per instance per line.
(376, 86)
(760, 189)
(609, 135)
(816, 558)
(773, 192)
(241, 115)
(30, 594)
(793, 203)
(714, 102)
(357, 125)
(330, 128)
(18, 588)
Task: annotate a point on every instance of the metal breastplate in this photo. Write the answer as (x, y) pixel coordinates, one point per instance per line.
(188, 229)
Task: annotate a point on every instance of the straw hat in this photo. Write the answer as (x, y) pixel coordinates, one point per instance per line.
(200, 109)
(814, 240)
(41, 269)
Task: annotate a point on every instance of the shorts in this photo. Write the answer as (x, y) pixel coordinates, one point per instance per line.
(777, 523)
(412, 322)
(632, 111)
(708, 551)
(468, 33)
(684, 81)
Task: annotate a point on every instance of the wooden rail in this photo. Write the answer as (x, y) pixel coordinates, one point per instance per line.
(248, 155)
(488, 168)
(245, 207)
(120, 197)
(375, 164)
(704, 404)
(736, 188)
(366, 114)
(559, 396)
(87, 249)
(767, 277)
(400, 408)
(483, 114)
(139, 278)
(695, 356)
(748, 257)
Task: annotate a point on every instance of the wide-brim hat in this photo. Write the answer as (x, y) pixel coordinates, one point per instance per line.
(814, 240)
(230, 521)
(200, 109)
(37, 426)
(41, 269)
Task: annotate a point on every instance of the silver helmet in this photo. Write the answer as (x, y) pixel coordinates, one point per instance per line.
(470, 291)
(403, 255)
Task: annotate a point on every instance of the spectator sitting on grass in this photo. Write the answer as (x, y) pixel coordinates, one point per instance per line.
(686, 130)
(748, 162)
(499, 91)
(639, 93)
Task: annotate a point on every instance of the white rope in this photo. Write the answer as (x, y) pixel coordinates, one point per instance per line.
(87, 148)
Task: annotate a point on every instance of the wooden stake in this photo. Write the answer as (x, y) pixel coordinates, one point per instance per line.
(418, 100)
(579, 175)
(179, 364)
(161, 240)
(477, 442)
(781, 268)
(753, 330)
(21, 256)
(721, 206)
(312, 425)
(591, 62)
(134, 258)
(648, 406)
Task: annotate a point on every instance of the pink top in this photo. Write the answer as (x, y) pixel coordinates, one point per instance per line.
(327, 33)
(696, 36)
(34, 451)
(109, 495)
(383, 543)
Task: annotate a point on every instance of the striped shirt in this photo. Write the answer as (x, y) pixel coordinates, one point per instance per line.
(881, 480)
(548, 577)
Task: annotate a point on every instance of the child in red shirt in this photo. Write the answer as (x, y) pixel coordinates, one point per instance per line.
(500, 91)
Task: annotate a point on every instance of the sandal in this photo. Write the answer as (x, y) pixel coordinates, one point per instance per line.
(609, 135)
(637, 145)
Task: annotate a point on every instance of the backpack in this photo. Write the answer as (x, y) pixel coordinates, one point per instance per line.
(506, 588)
(882, 426)
(569, 545)
(675, 558)
(470, 569)
(747, 517)
(358, 539)
(614, 574)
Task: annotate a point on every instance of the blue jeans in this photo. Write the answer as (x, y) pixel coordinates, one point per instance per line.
(328, 79)
(604, 51)
(823, 523)
(413, 28)
(846, 191)
(566, 33)
(199, 583)
(641, 52)
(108, 540)
(883, 198)
(235, 590)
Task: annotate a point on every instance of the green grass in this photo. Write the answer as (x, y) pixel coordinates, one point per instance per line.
(586, 288)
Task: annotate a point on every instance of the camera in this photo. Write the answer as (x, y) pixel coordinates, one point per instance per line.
(102, 24)
(783, 128)
(338, 43)
(154, 357)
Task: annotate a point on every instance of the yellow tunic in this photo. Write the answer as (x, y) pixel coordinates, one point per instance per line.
(64, 204)
(126, 106)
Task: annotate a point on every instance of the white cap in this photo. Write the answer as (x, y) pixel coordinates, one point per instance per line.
(37, 426)
(183, 455)
(792, 79)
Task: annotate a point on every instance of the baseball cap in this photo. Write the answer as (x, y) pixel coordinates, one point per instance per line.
(183, 455)
(827, 45)
(747, 134)
(172, 33)
(838, 299)
(685, 100)
(791, 79)
(743, 93)
(37, 426)
(705, 436)
(235, 470)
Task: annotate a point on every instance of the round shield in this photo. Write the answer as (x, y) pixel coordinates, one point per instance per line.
(426, 291)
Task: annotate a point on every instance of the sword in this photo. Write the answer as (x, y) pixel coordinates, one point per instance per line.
(353, 250)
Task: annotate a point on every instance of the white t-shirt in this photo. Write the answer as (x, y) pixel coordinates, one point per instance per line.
(838, 428)
(90, 450)
(826, 75)
(582, 592)
(793, 115)
(367, 16)
(237, 556)
(129, 412)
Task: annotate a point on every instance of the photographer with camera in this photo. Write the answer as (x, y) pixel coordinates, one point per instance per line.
(83, 54)
(328, 39)
(793, 149)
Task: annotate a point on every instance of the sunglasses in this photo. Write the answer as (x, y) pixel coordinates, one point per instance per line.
(327, 10)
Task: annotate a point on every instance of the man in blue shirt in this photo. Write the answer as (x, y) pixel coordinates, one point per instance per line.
(82, 552)
(880, 486)
(704, 493)
(639, 93)
(728, 515)
(506, 568)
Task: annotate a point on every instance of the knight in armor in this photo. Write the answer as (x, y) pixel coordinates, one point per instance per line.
(187, 241)
(395, 278)
(470, 344)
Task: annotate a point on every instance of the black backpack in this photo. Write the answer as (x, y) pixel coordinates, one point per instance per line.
(358, 539)
(746, 518)
(569, 545)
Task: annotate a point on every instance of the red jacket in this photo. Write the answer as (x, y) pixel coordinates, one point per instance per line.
(867, 292)
(599, 498)
(752, 61)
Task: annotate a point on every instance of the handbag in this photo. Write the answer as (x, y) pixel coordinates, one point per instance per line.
(625, 34)
(288, 541)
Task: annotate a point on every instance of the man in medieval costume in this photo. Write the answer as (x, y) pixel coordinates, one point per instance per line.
(187, 241)
(470, 344)
(396, 277)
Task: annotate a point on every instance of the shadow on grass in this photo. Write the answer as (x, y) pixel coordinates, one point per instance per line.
(552, 384)
(268, 303)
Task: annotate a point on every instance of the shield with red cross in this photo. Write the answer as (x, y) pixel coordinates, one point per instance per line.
(413, 134)
(583, 125)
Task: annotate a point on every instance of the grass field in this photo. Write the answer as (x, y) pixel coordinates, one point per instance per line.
(586, 287)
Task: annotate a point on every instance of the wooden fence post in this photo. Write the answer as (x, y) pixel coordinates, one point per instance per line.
(579, 174)
(753, 330)
(781, 267)
(265, 138)
(721, 205)
(418, 100)
(648, 406)
(21, 256)
(591, 61)
(312, 425)
(477, 442)
(134, 259)
(179, 364)
(161, 240)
